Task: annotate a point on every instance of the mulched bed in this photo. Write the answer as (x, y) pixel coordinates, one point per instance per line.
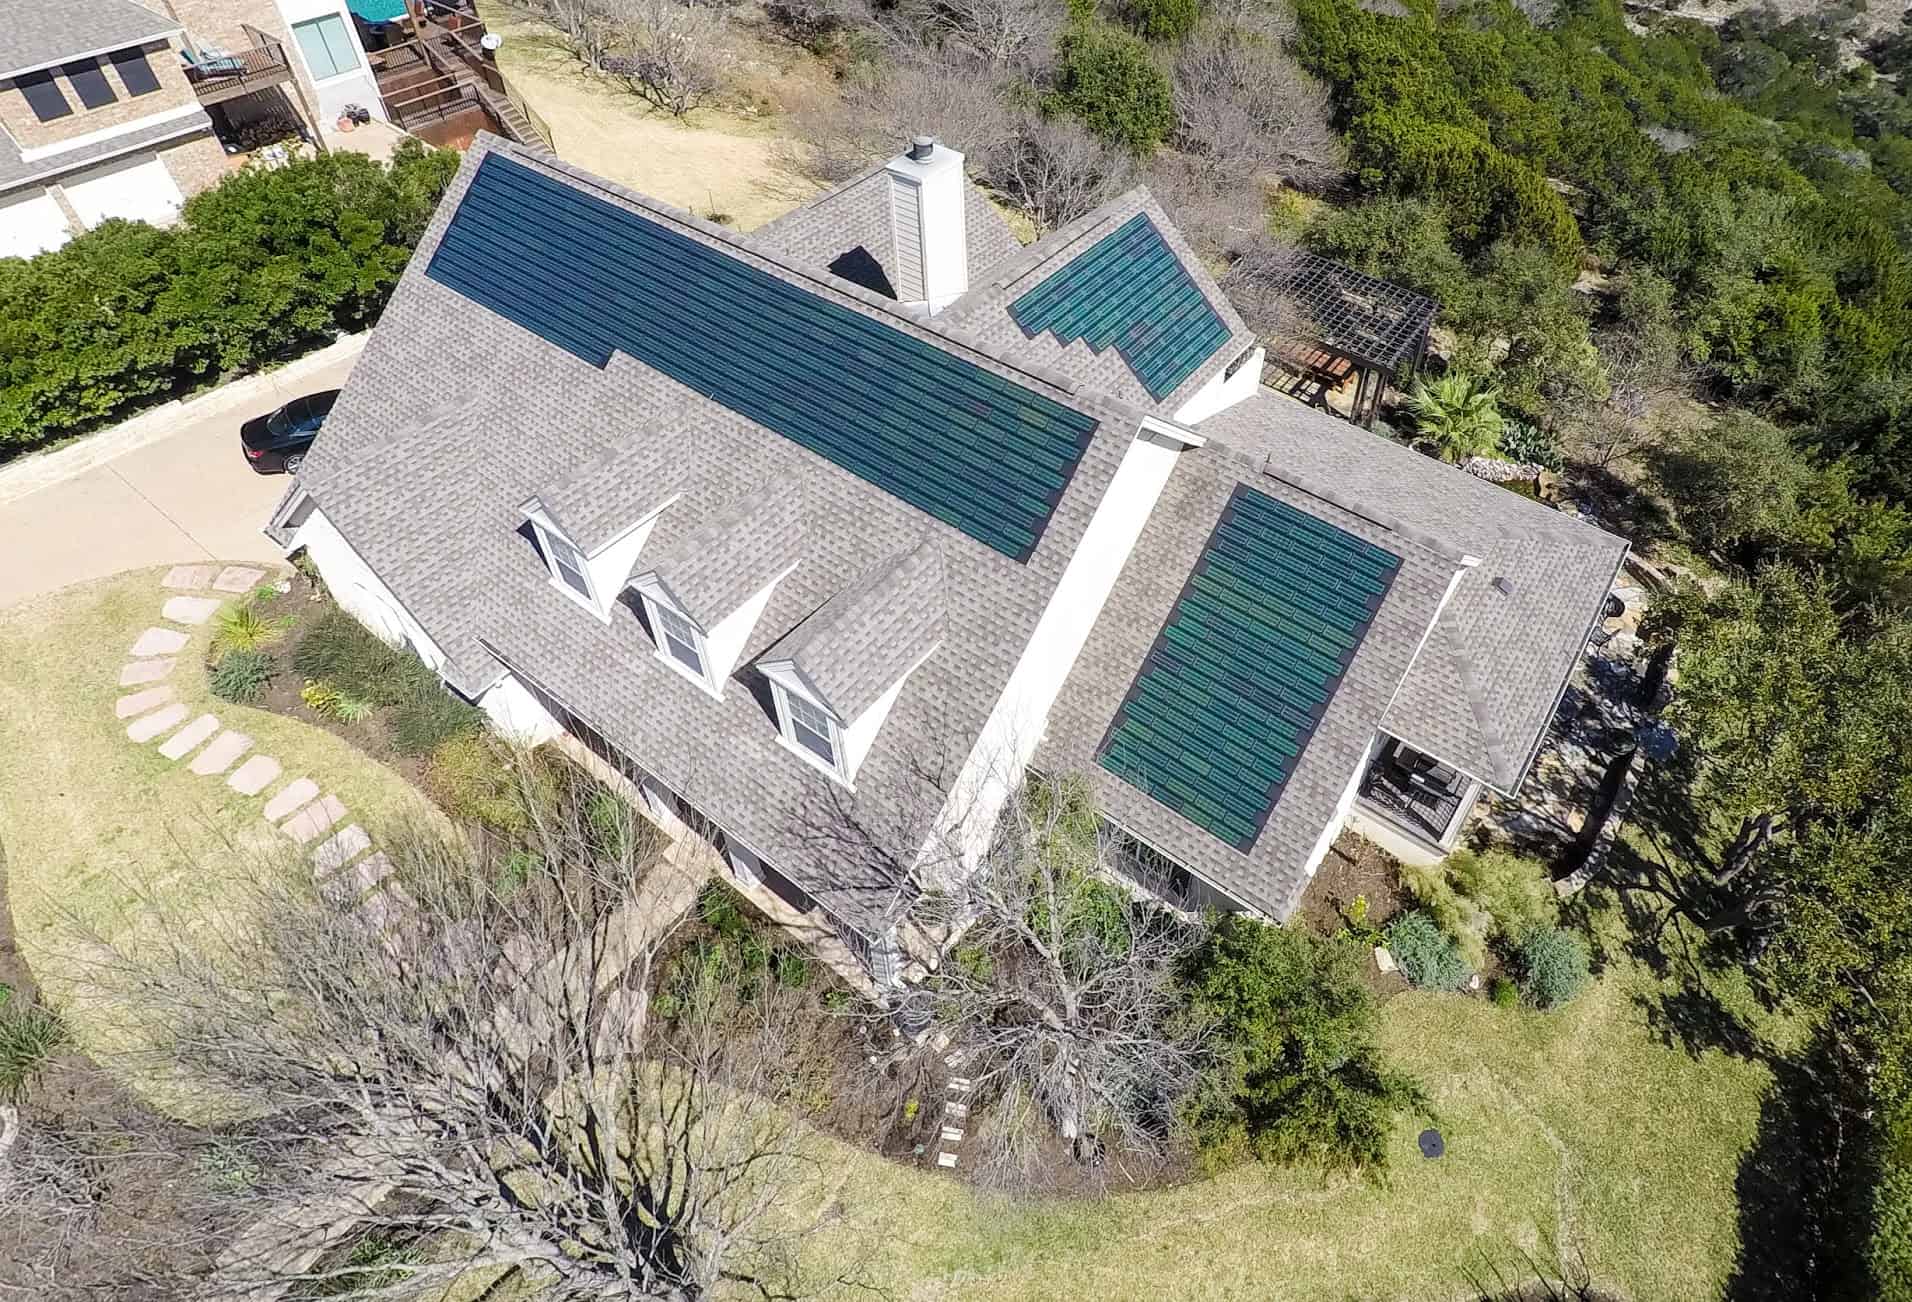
(1356, 868)
(302, 606)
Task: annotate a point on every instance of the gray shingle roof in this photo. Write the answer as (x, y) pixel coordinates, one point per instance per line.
(847, 232)
(855, 646)
(1271, 875)
(38, 33)
(1482, 692)
(14, 172)
(432, 508)
(716, 566)
(982, 315)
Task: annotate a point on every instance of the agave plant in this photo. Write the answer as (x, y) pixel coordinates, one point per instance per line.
(243, 628)
(1457, 415)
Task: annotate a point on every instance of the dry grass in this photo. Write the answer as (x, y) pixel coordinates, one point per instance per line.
(94, 824)
(718, 161)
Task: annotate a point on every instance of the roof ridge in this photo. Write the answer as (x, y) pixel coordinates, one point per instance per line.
(1314, 488)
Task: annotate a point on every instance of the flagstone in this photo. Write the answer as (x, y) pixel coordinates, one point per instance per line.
(340, 850)
(181, 743)
(189, 576)
(252, 777)
(145, 671)
(238, 578)
(220, 753)
(290, 797)
(140, 702)
(158, 642)
(306, 825)
(189, 610)
(151, 725)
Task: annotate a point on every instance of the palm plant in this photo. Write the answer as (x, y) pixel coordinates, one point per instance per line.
(1457, 415)
(243, 628)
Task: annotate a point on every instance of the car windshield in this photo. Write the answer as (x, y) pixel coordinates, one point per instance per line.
(300, 416)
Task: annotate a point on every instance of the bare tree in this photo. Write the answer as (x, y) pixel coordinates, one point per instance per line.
(1259, 282)
(1244, 106)
(672, 60)
(584, 26)
(1056, 170)
(1063, 992)
(999, 35)
(468, 1061)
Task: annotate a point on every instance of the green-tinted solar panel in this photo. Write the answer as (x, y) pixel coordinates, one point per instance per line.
(969, 447)
(1222, 708)
(1129, 290)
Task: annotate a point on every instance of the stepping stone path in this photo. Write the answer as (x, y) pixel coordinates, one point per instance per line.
(147, 727)
(140, 702)
(182, 743)
(300, 808)
(955, 1110)
(189, 610)
(254, 776)
(159, 642)
(220, 753)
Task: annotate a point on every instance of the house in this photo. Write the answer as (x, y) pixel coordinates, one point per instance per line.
(97, 120)
(828, 534)
(278, 60)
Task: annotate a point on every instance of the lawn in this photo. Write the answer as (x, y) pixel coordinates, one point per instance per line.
(90, 821)
(1594, 1128)
(1581, 1129)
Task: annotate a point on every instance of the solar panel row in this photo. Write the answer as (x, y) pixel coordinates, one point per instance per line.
(1129, 290)
(1237, 680)
(960, 442)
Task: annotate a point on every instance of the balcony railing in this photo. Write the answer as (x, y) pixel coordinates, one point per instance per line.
(1418, 794)
(228, 76)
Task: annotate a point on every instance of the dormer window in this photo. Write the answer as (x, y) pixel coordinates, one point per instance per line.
(809, 730)
(680, 640)
(569, 572)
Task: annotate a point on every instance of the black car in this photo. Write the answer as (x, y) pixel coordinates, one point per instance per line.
(278, 441)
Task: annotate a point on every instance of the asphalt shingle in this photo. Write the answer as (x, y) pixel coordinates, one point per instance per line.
(856, 645)
(37, 33)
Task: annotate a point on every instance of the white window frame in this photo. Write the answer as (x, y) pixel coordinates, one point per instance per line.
(787, 733)
(589, 597)
(343, 19)
(656, 611)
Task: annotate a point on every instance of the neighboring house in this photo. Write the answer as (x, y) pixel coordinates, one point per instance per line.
(97, 120)
(310, 50)
(827, 534)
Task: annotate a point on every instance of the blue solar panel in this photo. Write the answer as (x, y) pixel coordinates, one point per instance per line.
(1130, 290)
(964, 444)
(1238, 678)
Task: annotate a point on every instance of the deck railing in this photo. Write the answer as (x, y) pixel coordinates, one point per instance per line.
(228, 76)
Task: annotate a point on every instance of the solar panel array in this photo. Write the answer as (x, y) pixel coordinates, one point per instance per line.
(1236, 682)
(962, 443)
(1129, 290)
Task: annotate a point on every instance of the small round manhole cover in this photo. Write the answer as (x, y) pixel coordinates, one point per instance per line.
(1432, 1145)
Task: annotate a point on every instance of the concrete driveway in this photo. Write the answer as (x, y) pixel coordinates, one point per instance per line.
(185, 495)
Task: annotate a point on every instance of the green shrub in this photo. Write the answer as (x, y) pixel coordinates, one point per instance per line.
(1466, 923)
(432, 716)
(339, 650)
(1553, 967)
(1162, 20)
(611, 823)
(1426, 955)
(519, 867)
(323, 699)
(1505, 993)
(1107, 79)
(1457, 416)
(1529, 444)
(472, 776)
(28, 1038)
(1515, 893)
(1889, 1248)
(242, 676)
(243, 627)
(1300, 1078)
(722, 911)
(262, 266)
(792, 968)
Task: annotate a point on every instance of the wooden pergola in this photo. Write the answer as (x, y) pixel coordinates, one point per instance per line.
(1350, 323)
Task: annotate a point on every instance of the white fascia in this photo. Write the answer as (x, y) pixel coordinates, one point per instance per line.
(1224, 389)
(608, 568)
(995, 764)
(151, 120)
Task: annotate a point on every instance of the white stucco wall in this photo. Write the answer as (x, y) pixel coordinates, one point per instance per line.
(1223, 390)
(516, 714)
(360, 591)
(1009, 738)
(334, 93)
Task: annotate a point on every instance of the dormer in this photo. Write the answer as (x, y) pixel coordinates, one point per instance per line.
(836, 676)
(589, 562)
(705, 591)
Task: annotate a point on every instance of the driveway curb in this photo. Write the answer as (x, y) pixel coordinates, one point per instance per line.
(42, 470)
